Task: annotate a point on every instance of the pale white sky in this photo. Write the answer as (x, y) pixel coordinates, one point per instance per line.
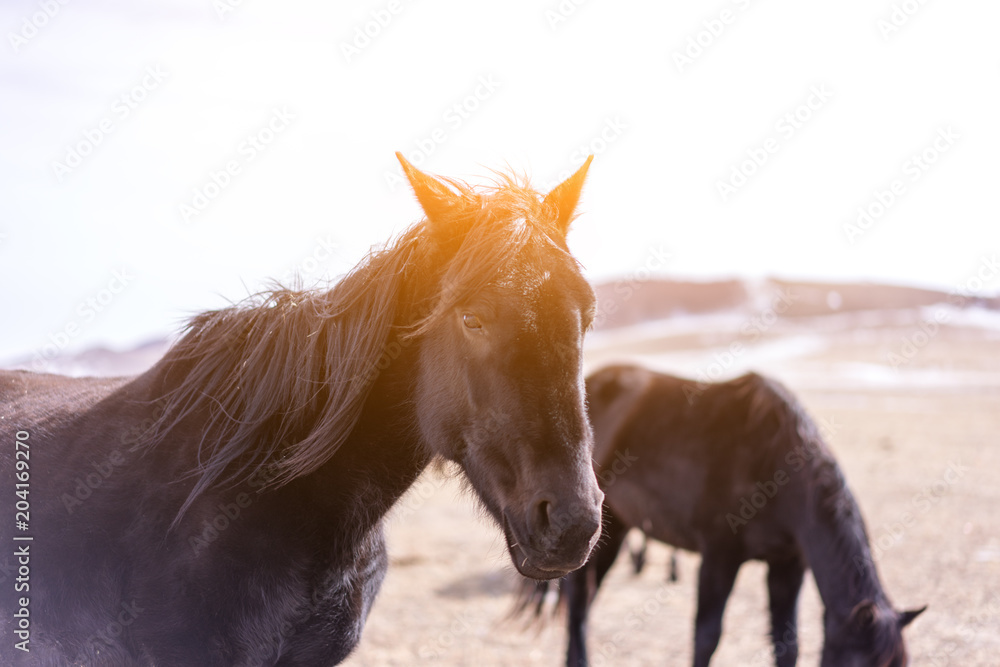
(112, 116)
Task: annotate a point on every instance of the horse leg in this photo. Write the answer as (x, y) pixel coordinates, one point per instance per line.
(784, 579)
(719, 565)
(581, 586)
(639, 555)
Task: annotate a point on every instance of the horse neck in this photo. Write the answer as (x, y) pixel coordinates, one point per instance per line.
(277, 388)
(837, 548)
(384, 454)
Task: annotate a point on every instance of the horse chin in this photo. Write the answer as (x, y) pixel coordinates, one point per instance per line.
(522, 560)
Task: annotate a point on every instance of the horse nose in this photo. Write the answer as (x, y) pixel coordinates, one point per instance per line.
(563, 527)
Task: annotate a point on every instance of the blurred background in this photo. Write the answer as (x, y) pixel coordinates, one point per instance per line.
(803, 189)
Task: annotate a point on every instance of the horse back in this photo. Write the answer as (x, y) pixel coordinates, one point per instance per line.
(678, 456)
(57, 418)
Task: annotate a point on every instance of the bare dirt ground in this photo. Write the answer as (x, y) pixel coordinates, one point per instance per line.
(896, 434)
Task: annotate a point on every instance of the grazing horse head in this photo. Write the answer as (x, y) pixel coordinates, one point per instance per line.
(499, 383)
(871, 636)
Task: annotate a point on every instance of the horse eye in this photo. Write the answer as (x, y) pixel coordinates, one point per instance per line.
(471, 321)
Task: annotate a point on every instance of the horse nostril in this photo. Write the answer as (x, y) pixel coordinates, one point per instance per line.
(543, 518)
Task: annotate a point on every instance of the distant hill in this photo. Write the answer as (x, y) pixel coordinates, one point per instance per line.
(620, 304)
(99, 361)
(624, 303)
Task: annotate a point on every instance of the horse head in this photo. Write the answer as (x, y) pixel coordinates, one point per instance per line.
(499, 383)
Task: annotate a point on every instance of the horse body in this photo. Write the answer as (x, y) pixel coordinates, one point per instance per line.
(735, 471)
(226, 507)
(245, 578)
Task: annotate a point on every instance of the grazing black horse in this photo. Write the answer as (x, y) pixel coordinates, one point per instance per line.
(736, 471)
(226, 507)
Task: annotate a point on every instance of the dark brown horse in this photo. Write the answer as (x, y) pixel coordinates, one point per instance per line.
(226, 507)
(736, 471)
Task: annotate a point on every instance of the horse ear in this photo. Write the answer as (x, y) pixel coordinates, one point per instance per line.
(864, 614)
(906, 617)
(564, 197)
(437, 200)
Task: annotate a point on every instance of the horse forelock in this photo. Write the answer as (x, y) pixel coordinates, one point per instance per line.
(508, 198)
(507, 236)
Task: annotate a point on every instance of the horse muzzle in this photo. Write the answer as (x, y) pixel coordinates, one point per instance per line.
(552, 540)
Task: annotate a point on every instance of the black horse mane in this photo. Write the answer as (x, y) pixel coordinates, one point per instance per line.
(284, 375)
(835, 505)
(851, 559)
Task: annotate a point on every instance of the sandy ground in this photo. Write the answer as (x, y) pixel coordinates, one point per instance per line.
(896, 433)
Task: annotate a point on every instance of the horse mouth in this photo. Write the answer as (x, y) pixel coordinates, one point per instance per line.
(522, 560)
